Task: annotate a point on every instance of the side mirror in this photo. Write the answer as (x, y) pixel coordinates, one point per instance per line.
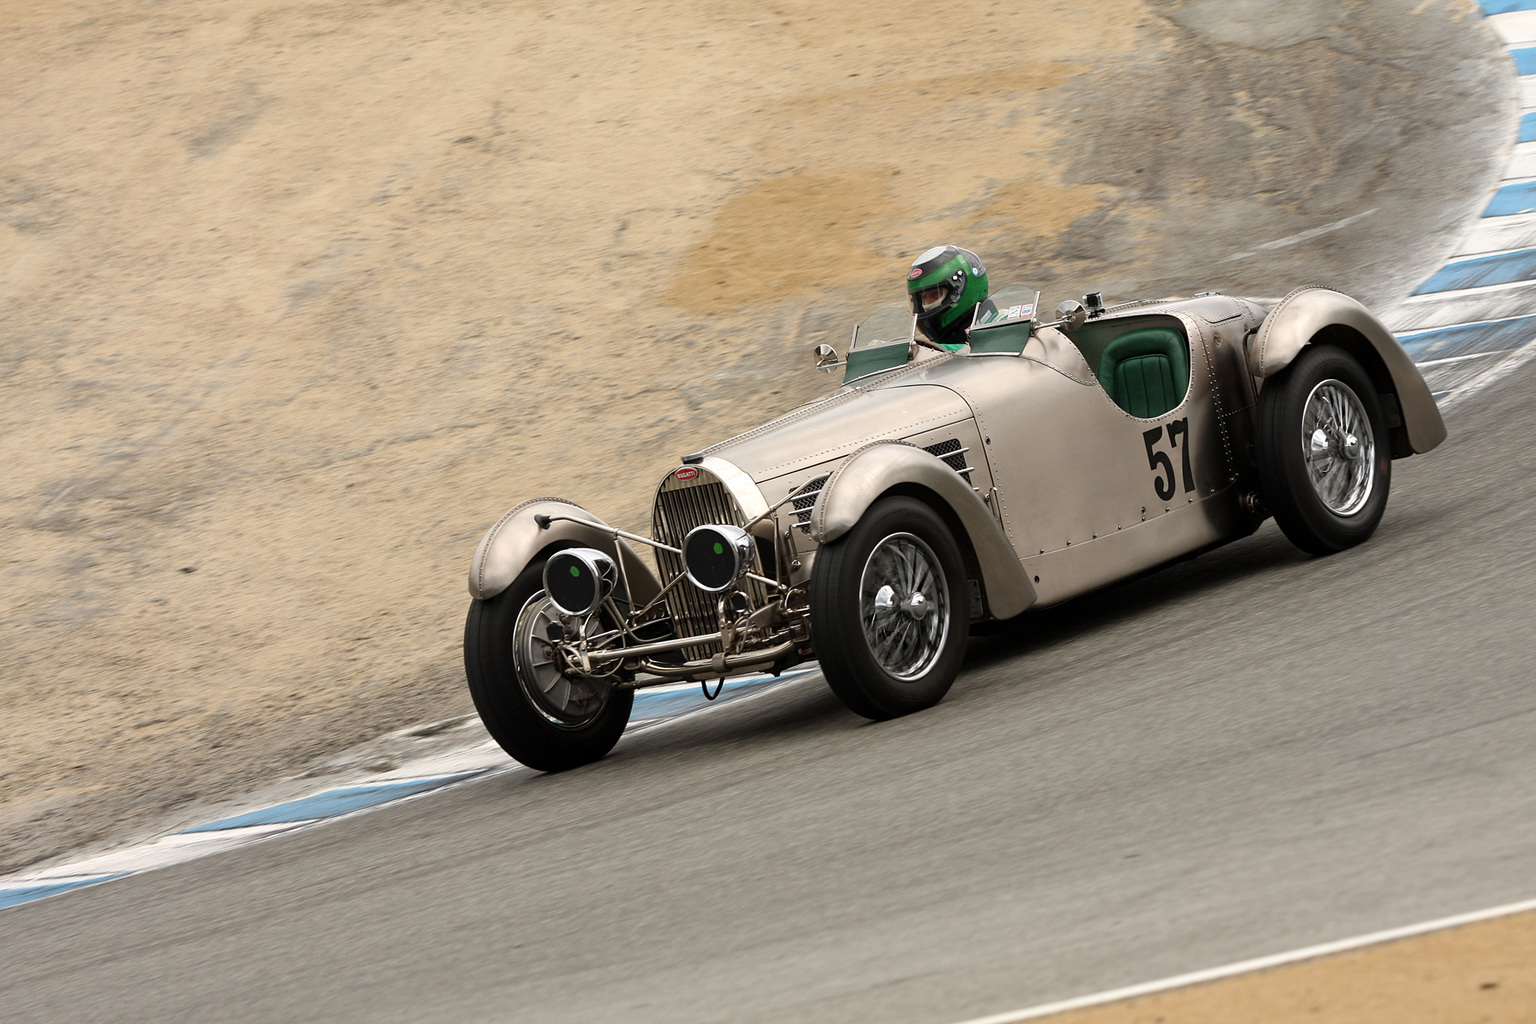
(1072, 315)
(826, 359)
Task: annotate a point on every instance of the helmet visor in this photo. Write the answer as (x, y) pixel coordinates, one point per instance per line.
(933, 301)
(930, 299)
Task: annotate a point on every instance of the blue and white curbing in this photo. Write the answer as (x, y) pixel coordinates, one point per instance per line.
(473, 756)
(1472, 321)
(1466, 326)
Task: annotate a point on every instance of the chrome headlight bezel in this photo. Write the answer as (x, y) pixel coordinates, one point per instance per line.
(578, 580)
(715, 551)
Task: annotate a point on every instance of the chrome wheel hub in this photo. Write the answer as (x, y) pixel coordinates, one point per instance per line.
(903, 606)
(569, 702)
(1339, 448)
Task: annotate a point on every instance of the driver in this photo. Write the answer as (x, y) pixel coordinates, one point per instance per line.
(946, 284)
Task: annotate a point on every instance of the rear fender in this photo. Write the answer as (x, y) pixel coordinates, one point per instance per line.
(1314, 315)
(896, 466)
(516, 540)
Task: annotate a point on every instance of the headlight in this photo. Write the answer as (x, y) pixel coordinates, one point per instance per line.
(715, 557)
(577, 579)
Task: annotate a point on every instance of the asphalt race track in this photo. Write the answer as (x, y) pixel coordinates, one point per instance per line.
(1236, 756)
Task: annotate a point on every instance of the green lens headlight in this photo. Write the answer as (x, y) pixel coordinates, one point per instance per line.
(715, 557)
(578, 579)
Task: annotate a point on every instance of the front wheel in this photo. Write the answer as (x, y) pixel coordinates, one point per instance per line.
(888, 610)
(1323, 451)
(544, 718)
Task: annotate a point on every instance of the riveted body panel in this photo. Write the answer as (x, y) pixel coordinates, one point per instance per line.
(874, 470)
(893, 406)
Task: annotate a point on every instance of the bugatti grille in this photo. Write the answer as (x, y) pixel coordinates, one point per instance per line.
(680, 506)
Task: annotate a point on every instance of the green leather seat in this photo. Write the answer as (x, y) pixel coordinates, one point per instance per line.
(1146, 371)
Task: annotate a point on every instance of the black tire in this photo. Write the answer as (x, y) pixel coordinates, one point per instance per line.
(1324, 499)
(535, 737)
(884, 685)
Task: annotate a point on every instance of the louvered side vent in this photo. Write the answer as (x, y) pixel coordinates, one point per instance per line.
(804, 501)
(682, 505)
(953, 454)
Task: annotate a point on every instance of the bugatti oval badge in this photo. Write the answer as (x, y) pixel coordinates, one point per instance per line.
(687, 473)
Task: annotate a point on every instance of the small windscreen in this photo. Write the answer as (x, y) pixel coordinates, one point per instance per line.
(1008, 305)
(888, 325)
(882, 341)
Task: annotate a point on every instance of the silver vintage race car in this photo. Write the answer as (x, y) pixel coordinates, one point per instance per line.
(935, 490)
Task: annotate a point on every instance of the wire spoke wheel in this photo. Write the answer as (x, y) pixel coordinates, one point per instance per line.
(1322, 449)
(883, 610)
(1339, 447)
(903, 605)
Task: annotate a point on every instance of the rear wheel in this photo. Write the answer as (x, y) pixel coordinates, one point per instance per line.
(1324, 455)
(886, 610)
(542, 717)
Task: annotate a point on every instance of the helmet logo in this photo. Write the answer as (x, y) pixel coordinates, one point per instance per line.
(915, 273)
(687, 473)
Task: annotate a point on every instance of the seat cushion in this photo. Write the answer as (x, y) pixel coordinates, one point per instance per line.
(1146, 371)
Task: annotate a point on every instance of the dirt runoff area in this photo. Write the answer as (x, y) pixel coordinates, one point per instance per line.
(1483, 972)
(297, 296)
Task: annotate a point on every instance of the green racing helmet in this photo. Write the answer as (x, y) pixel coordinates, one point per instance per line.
(946, 284)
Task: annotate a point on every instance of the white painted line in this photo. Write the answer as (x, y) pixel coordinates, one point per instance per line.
(161, 852)
(1488, 254)
(1457, 359)
(1455, 309)
(1517, 28)
(1500, 234)
(1485, 322)
(1300, 236)
(1522, 162)
(1518, 358)
(1444, 380)
(1527, 90)
(1454, 293)
(56, 880)
(1262, 963)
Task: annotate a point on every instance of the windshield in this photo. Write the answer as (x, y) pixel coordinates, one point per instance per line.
(888, 325)
(1004, 322)
(882, 341)
(1007, 305)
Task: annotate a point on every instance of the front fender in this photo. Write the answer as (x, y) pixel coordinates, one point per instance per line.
(516, 539)
(876, 469)
(1307, 312)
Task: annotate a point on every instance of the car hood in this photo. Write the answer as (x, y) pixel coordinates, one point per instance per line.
(839, 425)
